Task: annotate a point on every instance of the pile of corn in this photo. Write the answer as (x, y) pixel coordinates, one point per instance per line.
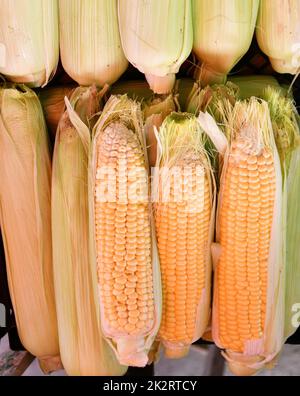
(169, 210)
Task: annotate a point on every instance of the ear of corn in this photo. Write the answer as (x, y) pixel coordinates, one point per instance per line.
(124, 246)
(278, 34)
(53, 103)
(90, 46)
(184, 199)
(29, 44)
(223, 31)
(25, 217)
(287, 136)
(248, 308)
(83, 349)
(157, 38)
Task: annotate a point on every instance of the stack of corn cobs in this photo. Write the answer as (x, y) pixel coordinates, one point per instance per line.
(167, 213)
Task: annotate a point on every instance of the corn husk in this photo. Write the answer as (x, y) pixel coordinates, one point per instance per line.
(278, 34)
(83, 349)
(135, 89)
(253, 85)
(139, 90)
(157, 38)
(29, 40)
(133, 350)
(243, 117)
(223, 31)
(178, 138)
(53, 103)
(90, 45)
(287, 135)
(25, 217)
(155, 110)
(183, 88)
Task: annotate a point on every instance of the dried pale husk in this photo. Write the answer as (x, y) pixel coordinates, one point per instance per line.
(223, 31)
(29, 40)
(253, 358)
(180, 134)
(83, 349)
(25, 215)
(53, 103)
(90, 46)
(130, 350)
(278, 34)
(157, 38)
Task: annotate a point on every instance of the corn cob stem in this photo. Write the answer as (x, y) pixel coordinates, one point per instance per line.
(161, 85)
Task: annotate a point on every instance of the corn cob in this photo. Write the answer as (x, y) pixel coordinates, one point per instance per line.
(184, 224)
(157, 38)
(124, 242)
(249, 288)
(29, 40)
(90, 46)
(83, 349)
(25, 221)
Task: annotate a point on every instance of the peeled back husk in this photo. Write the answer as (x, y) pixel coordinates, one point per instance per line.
(278, 34)
(90, 46)
(127, 269)
(157, 38)
(29, 40)
(25, 216)
(83, 348)
(223, 32)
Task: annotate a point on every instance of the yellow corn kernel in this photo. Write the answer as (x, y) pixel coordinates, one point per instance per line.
(245, 234)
